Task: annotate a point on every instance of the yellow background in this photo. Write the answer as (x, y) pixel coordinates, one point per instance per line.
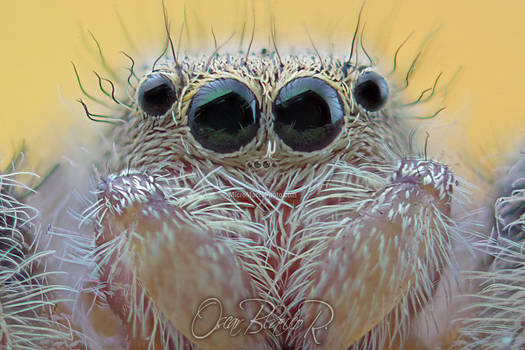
(485, 115)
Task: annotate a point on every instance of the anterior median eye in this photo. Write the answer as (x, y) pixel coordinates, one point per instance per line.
(308, 114)
(156, 94)
(371, 91)
(224, 115)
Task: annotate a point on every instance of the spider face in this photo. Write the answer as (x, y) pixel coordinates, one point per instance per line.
(255, 202)
(337, 244)
(238, 109)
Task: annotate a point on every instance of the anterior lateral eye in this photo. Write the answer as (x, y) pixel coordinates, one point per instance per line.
(308, 114)
(371, 91)
(224, 115)
(157, 94)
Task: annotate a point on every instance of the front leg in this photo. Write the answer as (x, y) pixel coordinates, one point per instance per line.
(28, 301)
(496, 316)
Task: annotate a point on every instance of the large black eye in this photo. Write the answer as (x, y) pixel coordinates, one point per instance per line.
(156, 94)
(308, 114)
(224, 115)
(371, 91)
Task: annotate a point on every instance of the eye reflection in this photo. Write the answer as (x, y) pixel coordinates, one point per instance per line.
(224, 115)
(308, 114)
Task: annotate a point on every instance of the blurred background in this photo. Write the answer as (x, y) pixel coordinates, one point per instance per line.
(480, 43)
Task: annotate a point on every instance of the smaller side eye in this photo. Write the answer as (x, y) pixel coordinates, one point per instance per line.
(157, 95)
(371, 91)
